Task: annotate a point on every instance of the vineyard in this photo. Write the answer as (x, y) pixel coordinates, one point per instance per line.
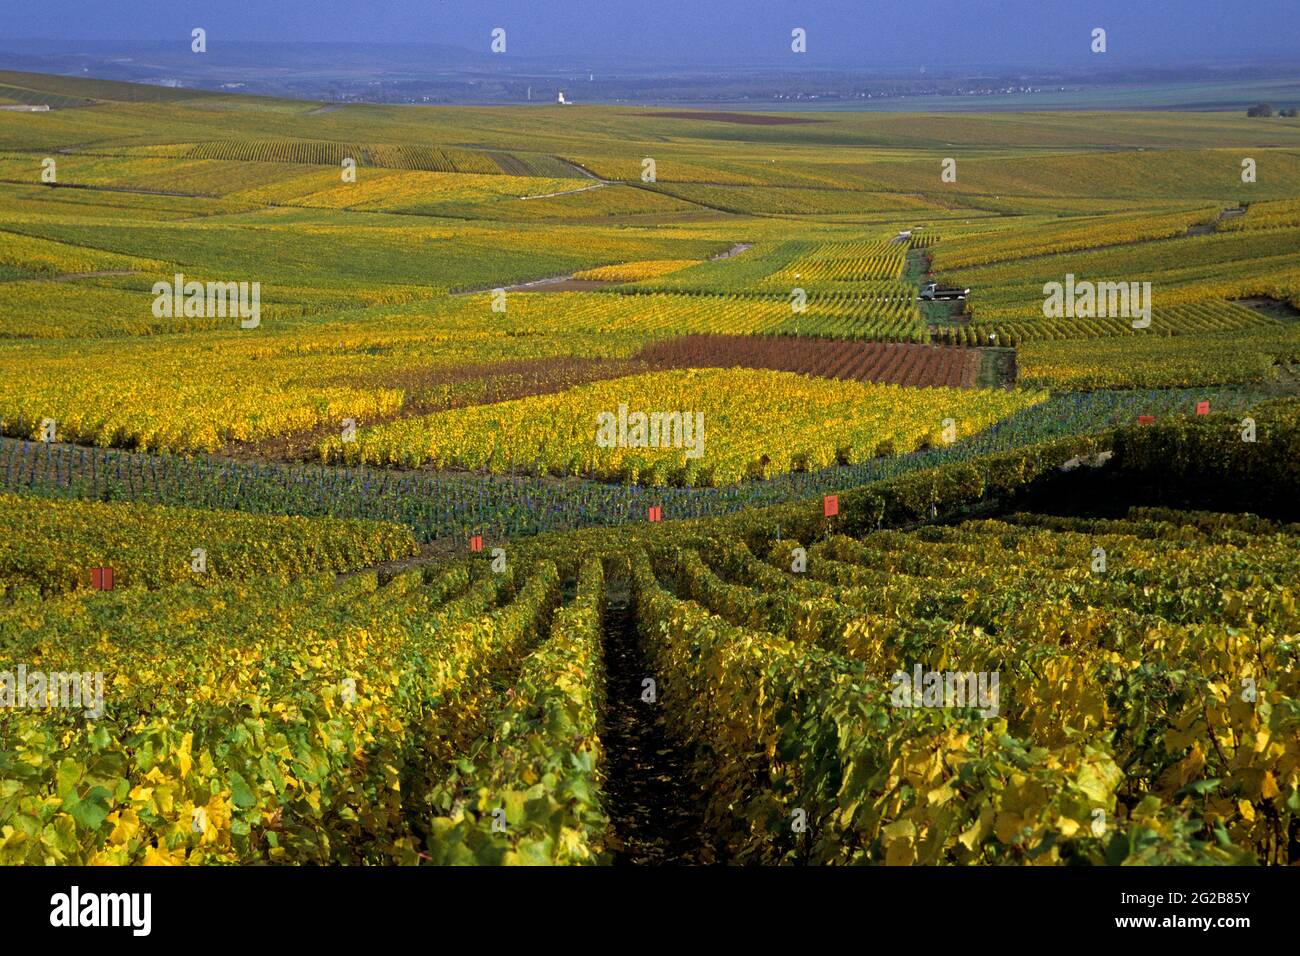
(908, 365)
(1202, 317)
(612, 485)
(756, 640)
(455, 505)
(1048, 238)
(50, 545)
(634, 271)
(397, 156)
(765, 422)
(840, 262)
(789, 683)
(1181, 271)
(1281, 214)
(1248, 357)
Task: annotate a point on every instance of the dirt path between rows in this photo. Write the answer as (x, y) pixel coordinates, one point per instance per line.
(654, 809)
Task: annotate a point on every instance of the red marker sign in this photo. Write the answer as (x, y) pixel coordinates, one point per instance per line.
(476, 542)
(1146, 419)
(831, 506)
(1202, 408)
(656, 513)
(101, 579)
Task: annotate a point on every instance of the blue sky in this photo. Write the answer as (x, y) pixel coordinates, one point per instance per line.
(1140, 32)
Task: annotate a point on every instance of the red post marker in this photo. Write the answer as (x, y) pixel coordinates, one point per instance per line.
(476, 542)
(101, 579)
(656, 513)
(1202, 408)
(831, 506)
(1146, 419)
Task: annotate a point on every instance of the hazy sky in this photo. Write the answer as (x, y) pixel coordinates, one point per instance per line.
(860, 32)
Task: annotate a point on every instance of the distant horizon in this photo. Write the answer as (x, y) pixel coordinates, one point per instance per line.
(54, 44)
(839, 33)
(1004, 55)
(760, 91)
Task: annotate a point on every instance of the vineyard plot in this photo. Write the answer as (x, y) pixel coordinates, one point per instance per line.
(893, 364)
(1092, 752)
(394, 577)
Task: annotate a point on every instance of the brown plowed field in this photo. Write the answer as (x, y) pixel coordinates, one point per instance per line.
(891, 363)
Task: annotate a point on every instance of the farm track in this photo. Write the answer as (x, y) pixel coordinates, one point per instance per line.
(998, 368)
(654, 809)
(1204, 229)
(734, 251)
(566, 192)
(562, 284)
(1279, 309)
